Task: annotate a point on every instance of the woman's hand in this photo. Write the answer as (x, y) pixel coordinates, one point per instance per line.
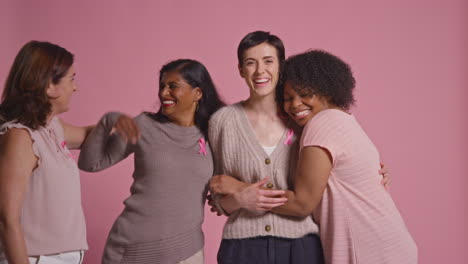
(127, 128)
(254, 197)
(213, 207)
(225, 184)
(386, 176)
(237, 194)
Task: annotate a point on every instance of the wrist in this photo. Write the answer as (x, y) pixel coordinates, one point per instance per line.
(241, 187)
(238, 198)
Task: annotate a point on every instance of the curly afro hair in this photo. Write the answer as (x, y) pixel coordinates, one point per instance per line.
(317, 72)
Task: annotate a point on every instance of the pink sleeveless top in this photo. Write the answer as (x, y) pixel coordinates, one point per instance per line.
(359, 222)
(52, 217)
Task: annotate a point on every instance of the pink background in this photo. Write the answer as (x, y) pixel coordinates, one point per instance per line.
(410, 59)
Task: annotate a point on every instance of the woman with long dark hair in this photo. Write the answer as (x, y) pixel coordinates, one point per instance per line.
(161, 222)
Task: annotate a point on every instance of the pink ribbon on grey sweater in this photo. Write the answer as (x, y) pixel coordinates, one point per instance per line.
(202, 144)
(289, 136)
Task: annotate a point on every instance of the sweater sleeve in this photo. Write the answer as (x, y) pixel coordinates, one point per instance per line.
(102, 150)
(215, 137)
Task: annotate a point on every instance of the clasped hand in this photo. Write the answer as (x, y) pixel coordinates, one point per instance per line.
(249, 196)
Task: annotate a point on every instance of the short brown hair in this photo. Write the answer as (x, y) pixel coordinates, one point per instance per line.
(256, 38)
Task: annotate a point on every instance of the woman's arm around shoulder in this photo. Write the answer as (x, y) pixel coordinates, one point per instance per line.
(17, 162)
(314, 167)
(232, 194)
(111, 141)
(75, 135)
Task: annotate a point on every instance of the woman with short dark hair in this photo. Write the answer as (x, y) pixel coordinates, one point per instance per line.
(254, 144)
(255, 148)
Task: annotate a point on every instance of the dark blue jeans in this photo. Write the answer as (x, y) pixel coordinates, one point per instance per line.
(271, 250)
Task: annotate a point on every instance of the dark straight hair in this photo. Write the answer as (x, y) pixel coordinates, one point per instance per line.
(195, 74)
(24, 97)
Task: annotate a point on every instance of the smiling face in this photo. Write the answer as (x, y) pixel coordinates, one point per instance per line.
(178, 99)
(260, 69)
(301, 107)
(60, 93)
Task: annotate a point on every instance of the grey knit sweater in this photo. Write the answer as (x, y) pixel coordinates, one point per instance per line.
(161, 222)
(238, 153)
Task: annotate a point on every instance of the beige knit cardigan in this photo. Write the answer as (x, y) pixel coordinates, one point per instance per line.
(238, 153)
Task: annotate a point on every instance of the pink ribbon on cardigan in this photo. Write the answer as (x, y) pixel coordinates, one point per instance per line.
(289, 137)
(202, 144)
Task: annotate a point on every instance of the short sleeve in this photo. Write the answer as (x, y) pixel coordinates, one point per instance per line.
(326, 130)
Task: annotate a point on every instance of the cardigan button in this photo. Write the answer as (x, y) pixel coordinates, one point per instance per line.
(268, 228)
(269, 185)
(267, 161)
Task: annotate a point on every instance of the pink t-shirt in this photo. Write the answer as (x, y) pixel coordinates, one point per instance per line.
(358, 220)
(52, 216)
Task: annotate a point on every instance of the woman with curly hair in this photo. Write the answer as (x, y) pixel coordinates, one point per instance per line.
(336, 178)
(41, 218)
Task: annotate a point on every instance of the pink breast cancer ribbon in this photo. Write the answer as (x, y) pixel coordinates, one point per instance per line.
(289, 137)
(64, 144)
(202, 144)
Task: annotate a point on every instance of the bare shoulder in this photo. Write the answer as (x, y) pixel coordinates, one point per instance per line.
(16, 136)
(16, 140)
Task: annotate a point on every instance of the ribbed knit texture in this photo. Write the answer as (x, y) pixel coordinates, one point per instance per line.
(359, 222)
(238, 153)
(52, 216)
(161, 222)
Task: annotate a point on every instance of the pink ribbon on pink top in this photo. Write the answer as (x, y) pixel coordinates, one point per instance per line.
(289, 137)
(64, 144)
(202, 144)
